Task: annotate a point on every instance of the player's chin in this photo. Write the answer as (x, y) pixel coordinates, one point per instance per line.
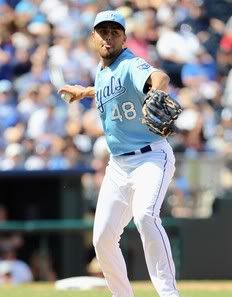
(107, 54)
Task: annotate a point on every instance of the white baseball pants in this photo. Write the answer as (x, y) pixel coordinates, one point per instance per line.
(135, 186)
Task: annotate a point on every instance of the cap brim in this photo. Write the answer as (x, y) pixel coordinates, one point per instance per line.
(121, 27)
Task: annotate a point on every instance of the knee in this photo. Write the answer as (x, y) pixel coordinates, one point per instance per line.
(145, 222)
(141, 220)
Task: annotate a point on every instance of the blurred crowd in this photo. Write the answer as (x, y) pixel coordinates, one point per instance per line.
(46, 43)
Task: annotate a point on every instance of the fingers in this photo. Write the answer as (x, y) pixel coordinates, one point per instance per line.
(66, 89)
(66, 96)
(75, 92)
(67, 93)
(72, 99)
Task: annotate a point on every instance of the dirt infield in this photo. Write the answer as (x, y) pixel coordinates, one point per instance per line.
(194, 285)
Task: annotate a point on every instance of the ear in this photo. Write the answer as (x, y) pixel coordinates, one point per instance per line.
(92, 35)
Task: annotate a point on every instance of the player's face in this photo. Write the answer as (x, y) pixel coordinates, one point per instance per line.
(108, 39)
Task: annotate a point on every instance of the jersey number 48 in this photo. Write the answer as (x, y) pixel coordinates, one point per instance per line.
(124, 111)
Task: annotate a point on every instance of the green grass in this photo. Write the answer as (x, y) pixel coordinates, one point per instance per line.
(187, 289)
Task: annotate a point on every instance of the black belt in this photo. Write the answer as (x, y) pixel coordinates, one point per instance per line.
(143, 150)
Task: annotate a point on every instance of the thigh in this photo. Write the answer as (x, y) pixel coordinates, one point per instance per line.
(150, 181)
(113, 210)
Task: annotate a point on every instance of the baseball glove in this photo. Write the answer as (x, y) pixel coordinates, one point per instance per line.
(159, 113)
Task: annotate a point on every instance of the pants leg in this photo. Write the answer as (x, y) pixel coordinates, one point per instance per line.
(147, 200)
(113, 213)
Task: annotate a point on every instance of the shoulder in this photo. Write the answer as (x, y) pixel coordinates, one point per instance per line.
(126, 56)
(139, 66)
(135, 60)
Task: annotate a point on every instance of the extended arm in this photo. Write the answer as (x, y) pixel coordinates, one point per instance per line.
(77, 92)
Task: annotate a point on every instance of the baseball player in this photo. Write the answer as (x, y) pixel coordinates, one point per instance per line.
(141, 163)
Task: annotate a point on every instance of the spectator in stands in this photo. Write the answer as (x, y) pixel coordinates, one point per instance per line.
(30, 101)
(6, 54)
(42, 267)
(12, 270)
(8, 241)
(143, 35)
(200, 70)
(3, 214)
(50, 122)
(13, 239)
(14, 157)
(176, 46)
(8, 113)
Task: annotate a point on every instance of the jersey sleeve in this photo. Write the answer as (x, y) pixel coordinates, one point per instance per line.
(139, 71)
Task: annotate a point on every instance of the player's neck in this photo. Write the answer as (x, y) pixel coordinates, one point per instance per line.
(106, 62)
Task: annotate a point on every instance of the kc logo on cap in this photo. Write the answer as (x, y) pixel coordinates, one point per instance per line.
(111, 15)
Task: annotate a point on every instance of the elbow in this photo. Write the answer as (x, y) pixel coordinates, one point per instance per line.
(160, 81)
(165, 79)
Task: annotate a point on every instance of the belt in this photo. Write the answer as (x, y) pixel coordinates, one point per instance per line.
(143, 150)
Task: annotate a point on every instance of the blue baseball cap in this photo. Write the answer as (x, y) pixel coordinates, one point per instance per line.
(110, 16)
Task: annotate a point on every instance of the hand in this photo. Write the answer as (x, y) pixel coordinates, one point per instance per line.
(76, 92)
(160, 111)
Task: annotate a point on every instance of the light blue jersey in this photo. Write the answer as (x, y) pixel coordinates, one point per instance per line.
(119, 97)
